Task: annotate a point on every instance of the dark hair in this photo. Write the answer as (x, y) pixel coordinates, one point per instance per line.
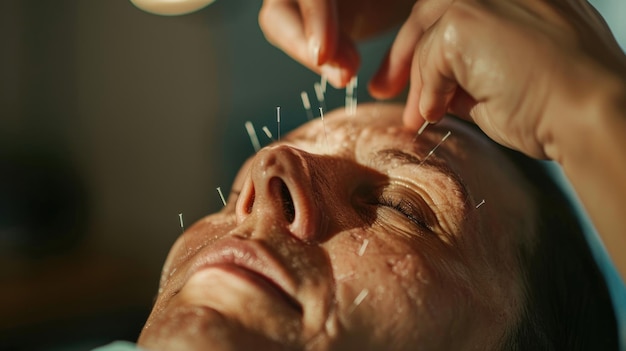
(567, 305)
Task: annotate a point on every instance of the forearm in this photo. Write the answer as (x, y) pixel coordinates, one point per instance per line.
(590, 145)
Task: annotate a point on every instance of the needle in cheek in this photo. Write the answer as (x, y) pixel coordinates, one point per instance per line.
(363, 247)
(359, 299)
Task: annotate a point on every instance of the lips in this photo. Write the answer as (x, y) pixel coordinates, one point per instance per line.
(252, 262)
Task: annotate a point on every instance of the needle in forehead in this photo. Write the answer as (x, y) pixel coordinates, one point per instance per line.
(278, 122)
(351, 96)
(267, 132)
(421, 130)
(307, 105)
(253, 137)
(319, 94)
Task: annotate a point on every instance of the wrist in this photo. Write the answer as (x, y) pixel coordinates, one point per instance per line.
(582, 118)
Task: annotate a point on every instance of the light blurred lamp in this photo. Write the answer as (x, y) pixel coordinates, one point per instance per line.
(171, 7)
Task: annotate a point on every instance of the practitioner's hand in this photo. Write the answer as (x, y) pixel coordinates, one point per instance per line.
(513, 67)
(320, 34)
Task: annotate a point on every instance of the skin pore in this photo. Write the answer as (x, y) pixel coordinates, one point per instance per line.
(353, 242)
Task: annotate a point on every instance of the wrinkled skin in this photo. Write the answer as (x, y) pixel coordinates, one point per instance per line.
(350, 242)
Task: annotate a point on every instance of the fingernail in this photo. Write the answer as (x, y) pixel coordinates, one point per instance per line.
(422, 109)
(335, 75)
(314, 51)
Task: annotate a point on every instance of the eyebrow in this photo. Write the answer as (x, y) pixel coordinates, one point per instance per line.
(439, 167)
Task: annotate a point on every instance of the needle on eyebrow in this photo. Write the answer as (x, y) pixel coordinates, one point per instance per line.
(358, 299)
(219, 191)
(307, 104)
(481, 203)
(422, 128)
(436, 146)
(363, 247)
(253, 137)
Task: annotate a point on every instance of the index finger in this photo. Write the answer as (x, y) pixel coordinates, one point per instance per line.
(295, 28)
(306, 30)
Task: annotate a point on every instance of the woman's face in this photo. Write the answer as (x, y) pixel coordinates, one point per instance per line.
(352, 238)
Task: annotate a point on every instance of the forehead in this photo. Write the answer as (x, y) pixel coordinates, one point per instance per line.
(483, 167)
(378, 127)
(340, 134)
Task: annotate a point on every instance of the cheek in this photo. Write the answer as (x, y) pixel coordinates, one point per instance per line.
(388, 290)
(199, 235)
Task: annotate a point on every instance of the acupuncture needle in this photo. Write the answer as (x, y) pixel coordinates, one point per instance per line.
(253, 137)
(307, 105)
(435, 148)
(278, 123)
(219, 191)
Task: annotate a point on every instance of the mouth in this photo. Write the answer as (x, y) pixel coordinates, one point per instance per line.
(261, 282)
(251, 262)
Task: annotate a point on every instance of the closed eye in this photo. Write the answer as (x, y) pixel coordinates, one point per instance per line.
(404, 207)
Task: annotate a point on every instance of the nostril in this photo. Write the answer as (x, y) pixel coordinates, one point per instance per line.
(246, 198)
(250, 203)
(289, 208)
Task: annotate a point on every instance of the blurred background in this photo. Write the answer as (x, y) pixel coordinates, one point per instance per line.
(112, 122)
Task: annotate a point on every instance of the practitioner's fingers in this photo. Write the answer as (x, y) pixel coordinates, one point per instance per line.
(511, 67)
(307, 31)
(459, 66)
(411, 116)
(320, 28)
(344, 65)
(393, 74)
(438, 81)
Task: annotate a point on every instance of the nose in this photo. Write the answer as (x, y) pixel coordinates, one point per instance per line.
(279, 189)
